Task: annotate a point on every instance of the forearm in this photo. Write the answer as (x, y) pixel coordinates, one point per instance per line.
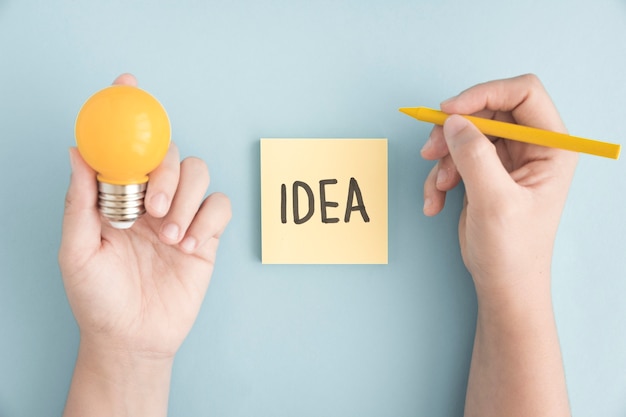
(516, 367)
(117, 383)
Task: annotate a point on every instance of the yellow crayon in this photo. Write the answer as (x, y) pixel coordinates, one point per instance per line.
(522, 133)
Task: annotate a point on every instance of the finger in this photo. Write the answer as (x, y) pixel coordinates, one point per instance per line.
(81, 219)
(434, 199)
(435, 147)
(477, 162)
(210, 222)
(193, 183)
(163, 182)
(447, 176)
(524, 96)
(521, 100)
(126, 79)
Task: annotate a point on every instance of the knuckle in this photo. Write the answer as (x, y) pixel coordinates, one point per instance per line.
(477, 149)
(533, 81)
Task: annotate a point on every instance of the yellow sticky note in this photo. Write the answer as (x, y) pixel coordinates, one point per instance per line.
(324, 201)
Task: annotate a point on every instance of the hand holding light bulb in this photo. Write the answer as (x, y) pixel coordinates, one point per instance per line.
(135, 293)
(123, 133)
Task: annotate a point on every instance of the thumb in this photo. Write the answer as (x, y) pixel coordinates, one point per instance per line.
(81, 219)
(477, 161)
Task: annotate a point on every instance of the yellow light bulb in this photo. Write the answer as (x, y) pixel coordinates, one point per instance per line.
(123, 133)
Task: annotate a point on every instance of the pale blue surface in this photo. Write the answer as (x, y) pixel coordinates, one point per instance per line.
(311, 340)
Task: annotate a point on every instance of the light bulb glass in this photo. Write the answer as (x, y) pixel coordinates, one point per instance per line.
(123, 133)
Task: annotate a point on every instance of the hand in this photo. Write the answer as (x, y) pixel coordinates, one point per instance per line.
(135, 293)
(515, 192)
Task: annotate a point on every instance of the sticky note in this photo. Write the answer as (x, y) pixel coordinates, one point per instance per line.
(324, 201)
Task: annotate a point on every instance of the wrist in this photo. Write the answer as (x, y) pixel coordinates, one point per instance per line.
(514, 283)
(113, 381)
(520, 301)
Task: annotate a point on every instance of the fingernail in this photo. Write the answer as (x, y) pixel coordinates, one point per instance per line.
(170, 231)
(189, 244)
(159, 204)
(454, 124)
(427, 145)
(427, 203)
(442, 176)
(72, 160)
(443, 103)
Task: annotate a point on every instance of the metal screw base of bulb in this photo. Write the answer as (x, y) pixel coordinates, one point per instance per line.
(121, 204)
